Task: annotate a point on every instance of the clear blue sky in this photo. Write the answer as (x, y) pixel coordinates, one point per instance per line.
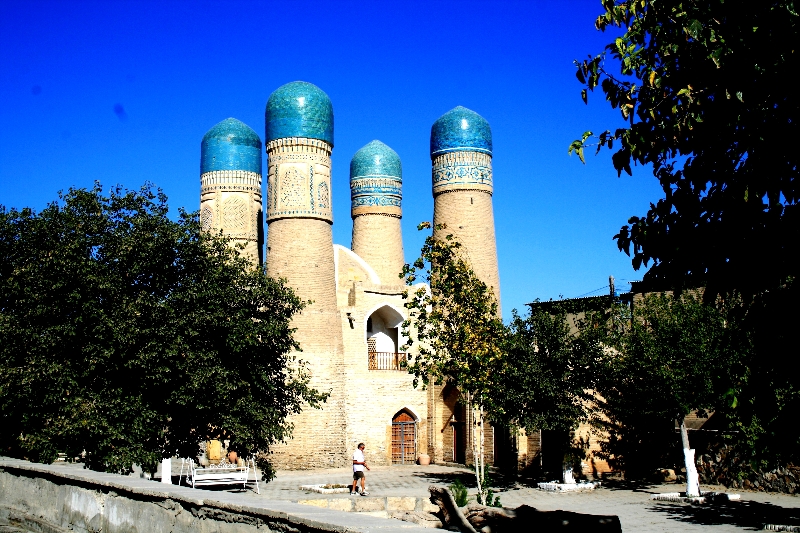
(122, 92)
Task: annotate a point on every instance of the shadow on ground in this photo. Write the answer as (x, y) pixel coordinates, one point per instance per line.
(744, 514)
(497, 481)
(637, 485)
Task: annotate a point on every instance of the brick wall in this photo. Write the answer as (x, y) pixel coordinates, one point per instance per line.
(378, 240)
(373, 397)
(301, 250)
(469, 217)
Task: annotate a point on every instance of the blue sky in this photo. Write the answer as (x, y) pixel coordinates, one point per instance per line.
(122, 92)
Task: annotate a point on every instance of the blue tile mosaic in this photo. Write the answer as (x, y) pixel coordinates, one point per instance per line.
(299, 109)
(460, 130)
(376, 159)
(230, 145)
(376, 177)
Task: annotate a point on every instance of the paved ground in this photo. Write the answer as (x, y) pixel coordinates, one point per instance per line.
(630, 502)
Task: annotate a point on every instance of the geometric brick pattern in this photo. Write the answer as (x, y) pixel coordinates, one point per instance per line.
(234, 214)
(206, 219)
(230, 201)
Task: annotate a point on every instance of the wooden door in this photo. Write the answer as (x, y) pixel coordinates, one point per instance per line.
(404, 439)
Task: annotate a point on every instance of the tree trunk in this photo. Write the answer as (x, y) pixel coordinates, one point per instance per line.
(692, 479)
(451, 514)
(477, 453)
(474, 518)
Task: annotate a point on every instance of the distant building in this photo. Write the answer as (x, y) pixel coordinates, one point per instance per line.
(534, 454)
(351, 333)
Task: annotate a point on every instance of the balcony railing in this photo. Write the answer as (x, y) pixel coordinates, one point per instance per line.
(385, 360)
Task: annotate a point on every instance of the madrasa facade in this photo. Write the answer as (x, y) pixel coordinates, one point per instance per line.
(351, 334)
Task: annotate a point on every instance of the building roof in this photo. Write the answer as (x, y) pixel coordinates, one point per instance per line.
(299, 109)
(230, 145)
(460, 130)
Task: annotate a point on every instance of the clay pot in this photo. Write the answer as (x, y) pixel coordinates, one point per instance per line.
(232, 456)
(424, 459)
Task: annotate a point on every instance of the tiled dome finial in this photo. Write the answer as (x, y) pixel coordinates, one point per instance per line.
(460, 130)
(230, 145)
(299, 109)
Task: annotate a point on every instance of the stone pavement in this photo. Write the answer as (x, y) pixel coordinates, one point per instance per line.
(629, 501)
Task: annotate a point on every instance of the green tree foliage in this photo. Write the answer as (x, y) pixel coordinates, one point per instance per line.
(552, 369)
(675, 355)
(133, 337)
(769, 397)
(455, 327)
(704, 89)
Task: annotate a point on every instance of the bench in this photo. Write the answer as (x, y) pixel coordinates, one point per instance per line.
(222, 474)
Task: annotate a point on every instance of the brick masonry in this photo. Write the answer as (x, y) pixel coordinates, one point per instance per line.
(373, 397)
(300, 249)
(469, 217)
(378, 239)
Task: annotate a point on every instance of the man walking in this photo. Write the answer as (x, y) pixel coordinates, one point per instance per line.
(359, 464)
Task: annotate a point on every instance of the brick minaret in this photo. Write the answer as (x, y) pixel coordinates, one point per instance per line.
(230, 185)
(461, 152)
(299, 141)
(376, 177)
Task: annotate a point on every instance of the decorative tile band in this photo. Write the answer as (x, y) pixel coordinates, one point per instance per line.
(388, 211)
(299, 179)
(376, 194)
(462, 171)
(230, 180)
(298, 144)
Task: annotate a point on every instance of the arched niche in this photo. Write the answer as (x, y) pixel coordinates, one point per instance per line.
(384, 338)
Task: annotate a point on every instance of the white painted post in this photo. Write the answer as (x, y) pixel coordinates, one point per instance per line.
(692, 479)
(166, 471)
(567, 476)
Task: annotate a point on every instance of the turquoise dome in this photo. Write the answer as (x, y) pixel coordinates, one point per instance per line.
(376, 179)
(299, 109)
(461, 130)
(230, 145)
(376, 159)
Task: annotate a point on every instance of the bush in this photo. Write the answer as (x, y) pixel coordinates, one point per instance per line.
(459, 492)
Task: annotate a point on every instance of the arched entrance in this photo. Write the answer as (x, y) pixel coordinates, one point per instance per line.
(404, 438)
(384, 339)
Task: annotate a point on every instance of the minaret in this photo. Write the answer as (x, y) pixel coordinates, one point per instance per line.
(461, 154)
(299, 141)
(230, 185)
(376, 178)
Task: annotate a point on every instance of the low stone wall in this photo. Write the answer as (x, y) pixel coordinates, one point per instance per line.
(373, 504)
(56, 499)
(724, 466)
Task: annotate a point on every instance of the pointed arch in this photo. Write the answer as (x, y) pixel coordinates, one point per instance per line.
(404, 437)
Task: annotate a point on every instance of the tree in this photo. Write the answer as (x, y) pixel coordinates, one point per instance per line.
(454, 323)
(702, 87)
(551, 372)
(674, 355)
(133, 337)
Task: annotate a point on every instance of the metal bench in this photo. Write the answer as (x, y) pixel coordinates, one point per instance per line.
(222, 474)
